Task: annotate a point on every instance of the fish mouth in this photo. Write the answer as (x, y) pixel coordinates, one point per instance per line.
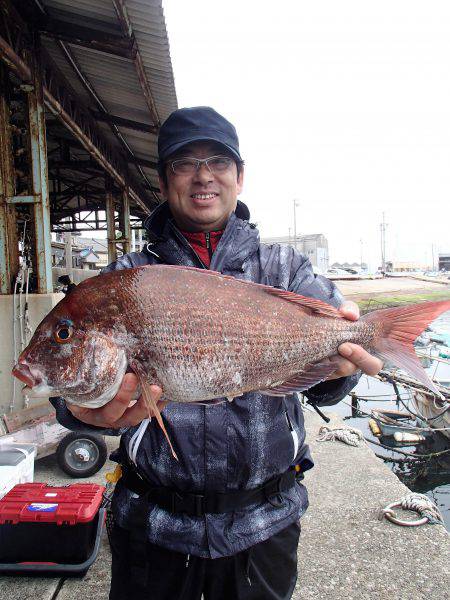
(23, 372)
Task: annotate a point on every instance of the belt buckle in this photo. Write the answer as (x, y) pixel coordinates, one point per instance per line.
(272, 492)
(174, 498)
(199, 504)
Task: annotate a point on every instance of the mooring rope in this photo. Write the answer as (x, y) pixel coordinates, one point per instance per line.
(348, 435)
(418, 503)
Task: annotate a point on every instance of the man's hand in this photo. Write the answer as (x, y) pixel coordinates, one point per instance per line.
(118, 412)
(353, 357)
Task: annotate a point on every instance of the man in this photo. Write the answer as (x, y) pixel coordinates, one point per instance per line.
(223, 520)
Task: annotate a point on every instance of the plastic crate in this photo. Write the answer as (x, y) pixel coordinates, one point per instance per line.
(50, 529)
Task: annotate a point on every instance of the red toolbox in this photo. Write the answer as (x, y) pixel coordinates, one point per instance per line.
(50, 529)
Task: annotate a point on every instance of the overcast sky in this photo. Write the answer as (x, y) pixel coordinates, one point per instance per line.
(344, 105)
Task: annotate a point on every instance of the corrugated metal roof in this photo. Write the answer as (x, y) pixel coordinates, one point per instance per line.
(114, 78)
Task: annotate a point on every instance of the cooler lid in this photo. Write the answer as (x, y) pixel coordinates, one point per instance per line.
(39, 502)
(11, 458)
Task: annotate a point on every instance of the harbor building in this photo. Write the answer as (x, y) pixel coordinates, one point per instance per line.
(314, 246)
(444, 261)
(399, 266)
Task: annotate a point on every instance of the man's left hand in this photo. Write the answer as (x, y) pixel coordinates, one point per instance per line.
(352, 357)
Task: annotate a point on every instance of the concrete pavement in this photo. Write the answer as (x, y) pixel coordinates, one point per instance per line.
(345, 552)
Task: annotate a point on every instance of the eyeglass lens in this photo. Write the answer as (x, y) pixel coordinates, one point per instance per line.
(187, 166)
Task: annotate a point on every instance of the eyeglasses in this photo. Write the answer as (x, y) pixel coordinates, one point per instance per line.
(189, 166)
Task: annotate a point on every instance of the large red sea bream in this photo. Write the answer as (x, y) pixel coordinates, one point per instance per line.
(202, 336)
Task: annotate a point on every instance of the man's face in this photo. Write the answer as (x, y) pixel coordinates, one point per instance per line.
(202, 201)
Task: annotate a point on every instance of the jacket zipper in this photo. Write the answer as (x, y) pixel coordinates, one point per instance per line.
(208, 244)
(187, 245)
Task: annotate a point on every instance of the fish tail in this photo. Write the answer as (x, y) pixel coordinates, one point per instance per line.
(399, 328)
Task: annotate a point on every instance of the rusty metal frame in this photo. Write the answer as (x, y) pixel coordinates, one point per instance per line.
(39, 175)
(44, 85)
(9, 244)
(64, 105)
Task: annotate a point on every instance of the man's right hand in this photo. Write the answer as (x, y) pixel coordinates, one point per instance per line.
(118, 412)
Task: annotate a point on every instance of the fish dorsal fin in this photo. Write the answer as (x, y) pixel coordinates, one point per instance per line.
(311, 375)
(152, 407)
(312, 304)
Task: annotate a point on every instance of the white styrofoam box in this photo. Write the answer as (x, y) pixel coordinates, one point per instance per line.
(8, 479)
(23, 472)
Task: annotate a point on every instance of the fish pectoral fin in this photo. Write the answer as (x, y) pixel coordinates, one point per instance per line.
(311, 375)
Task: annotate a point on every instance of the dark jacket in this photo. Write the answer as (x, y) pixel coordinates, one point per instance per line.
(233, 445)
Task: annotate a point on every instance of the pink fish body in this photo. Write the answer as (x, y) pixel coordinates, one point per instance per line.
(202, 336)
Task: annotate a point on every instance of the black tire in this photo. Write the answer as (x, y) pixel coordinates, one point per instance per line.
(90, 446)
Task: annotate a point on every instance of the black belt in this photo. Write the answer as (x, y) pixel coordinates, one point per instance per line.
(197, 505)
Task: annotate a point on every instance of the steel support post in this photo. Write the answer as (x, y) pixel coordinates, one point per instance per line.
(38, 155)
(9, 245)
(111, 225)
(125, 221)
(68, 253)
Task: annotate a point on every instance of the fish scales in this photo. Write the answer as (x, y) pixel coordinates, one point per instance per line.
(200, 339)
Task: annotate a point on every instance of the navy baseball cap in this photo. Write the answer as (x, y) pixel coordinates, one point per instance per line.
(199, 123)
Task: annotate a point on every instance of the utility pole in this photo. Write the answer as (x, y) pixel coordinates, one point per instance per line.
(383, 226)
(432, 257)
(360, 253)
(296, 204)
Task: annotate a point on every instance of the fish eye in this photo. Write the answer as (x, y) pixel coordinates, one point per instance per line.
(63, 332)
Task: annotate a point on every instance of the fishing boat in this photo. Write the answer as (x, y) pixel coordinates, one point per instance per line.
(392, 421)
(433, 412)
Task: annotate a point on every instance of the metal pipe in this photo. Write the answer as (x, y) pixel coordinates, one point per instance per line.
(14, 62)
(111, 225)
(126, 232)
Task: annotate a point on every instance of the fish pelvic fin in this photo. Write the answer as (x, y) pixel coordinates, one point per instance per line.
(400, 327)
(153, 411)
(311, 375)
(152, 406)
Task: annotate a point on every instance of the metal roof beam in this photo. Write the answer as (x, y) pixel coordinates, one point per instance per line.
(93, 39)
(125, 24)
(76, 165)
(143, 162)
(126, 123)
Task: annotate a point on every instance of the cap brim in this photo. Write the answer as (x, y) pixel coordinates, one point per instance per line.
(201, 138)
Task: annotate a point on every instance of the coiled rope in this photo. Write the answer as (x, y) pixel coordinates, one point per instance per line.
(418, 503)
(347, 435)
